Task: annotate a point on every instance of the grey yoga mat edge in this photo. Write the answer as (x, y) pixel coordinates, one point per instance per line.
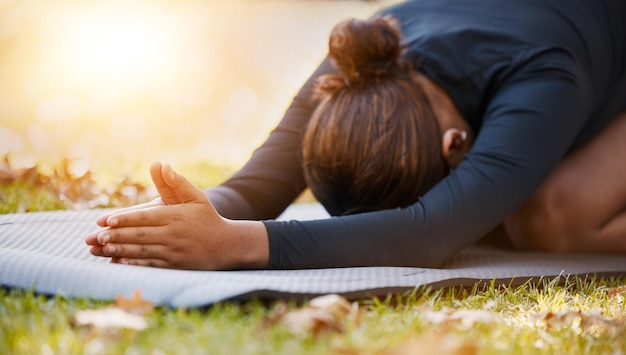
(45, 252)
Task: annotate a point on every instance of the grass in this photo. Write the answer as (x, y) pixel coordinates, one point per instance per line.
(520, 319)
(34, 324)
(15, 196)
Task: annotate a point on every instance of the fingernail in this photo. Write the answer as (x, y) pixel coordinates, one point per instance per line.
(112, 222)
(110, 249)
(103, 238)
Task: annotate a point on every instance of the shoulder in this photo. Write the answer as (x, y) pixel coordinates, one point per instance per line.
(474, 78)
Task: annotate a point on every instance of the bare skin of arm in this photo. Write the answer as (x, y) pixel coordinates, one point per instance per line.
(181, 230)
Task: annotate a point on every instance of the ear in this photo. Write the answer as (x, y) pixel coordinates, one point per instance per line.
(454, 145)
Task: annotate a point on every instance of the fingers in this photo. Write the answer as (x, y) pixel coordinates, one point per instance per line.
(142, 262)
(102, 220)
(132, 251)
(121, 246)
(137, 262)
(132, 235)
(129, 254)
(143, 234)
(140, 223)
(185, 190)
(167, 193)
(92, 239)
(140, 217)
(172, 187)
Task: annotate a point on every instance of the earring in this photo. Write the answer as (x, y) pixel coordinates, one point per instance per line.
(463, 135)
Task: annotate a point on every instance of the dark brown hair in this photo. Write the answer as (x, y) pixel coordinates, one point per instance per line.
(373, 141)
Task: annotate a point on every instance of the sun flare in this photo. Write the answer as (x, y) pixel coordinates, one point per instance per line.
(118, 83)
(114, 45)
(123, 47)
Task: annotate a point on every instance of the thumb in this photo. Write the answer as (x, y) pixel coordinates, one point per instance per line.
(185, 190)
(168, 195)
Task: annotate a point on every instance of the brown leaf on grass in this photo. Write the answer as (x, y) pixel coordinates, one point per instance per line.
(335, 305)
(311, 320)
(77, 190)
(275, 315)
(441, 340)
(109, 318)
(6, 173)
(587, 321)
(324, 314)
(435, 343)
(465, 318)
(125, 313)
(619, 291)
(135, 304)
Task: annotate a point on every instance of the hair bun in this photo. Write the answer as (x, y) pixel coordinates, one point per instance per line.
(364, 48)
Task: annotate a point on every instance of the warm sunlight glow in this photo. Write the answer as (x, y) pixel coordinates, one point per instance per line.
(125, 48)
(114, 45)
(117, 84)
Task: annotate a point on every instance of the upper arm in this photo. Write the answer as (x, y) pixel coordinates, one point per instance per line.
(529, 126)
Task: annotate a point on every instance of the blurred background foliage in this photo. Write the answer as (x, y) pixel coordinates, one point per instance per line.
(92, 92)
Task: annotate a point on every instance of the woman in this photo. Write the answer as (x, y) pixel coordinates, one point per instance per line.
(486, 112)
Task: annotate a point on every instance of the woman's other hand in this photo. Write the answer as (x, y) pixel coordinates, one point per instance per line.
(181, 230)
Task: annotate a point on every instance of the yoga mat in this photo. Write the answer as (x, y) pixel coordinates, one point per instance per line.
(45, 252)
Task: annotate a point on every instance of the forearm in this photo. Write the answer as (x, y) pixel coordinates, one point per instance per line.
(384, 238)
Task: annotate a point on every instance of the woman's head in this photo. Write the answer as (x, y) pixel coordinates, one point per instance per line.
(373, 142)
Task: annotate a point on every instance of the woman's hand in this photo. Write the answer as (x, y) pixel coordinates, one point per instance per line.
(181, 230)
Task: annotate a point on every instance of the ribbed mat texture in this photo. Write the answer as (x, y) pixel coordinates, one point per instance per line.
(45, 251)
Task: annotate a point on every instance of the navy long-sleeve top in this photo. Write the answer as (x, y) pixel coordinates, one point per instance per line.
(534, 79)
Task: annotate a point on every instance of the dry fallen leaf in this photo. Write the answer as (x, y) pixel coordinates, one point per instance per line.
(311, 320)
(125, 313)
(6, 173)
(466, 318)
(336, 305)
(321, 315)
(134, 304)
(110, 318)
(77, 189)
(619, 291)
(579, 320)
(432, 343)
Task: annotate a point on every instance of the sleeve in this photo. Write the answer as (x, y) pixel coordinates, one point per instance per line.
(272, 178)
(529, 124)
